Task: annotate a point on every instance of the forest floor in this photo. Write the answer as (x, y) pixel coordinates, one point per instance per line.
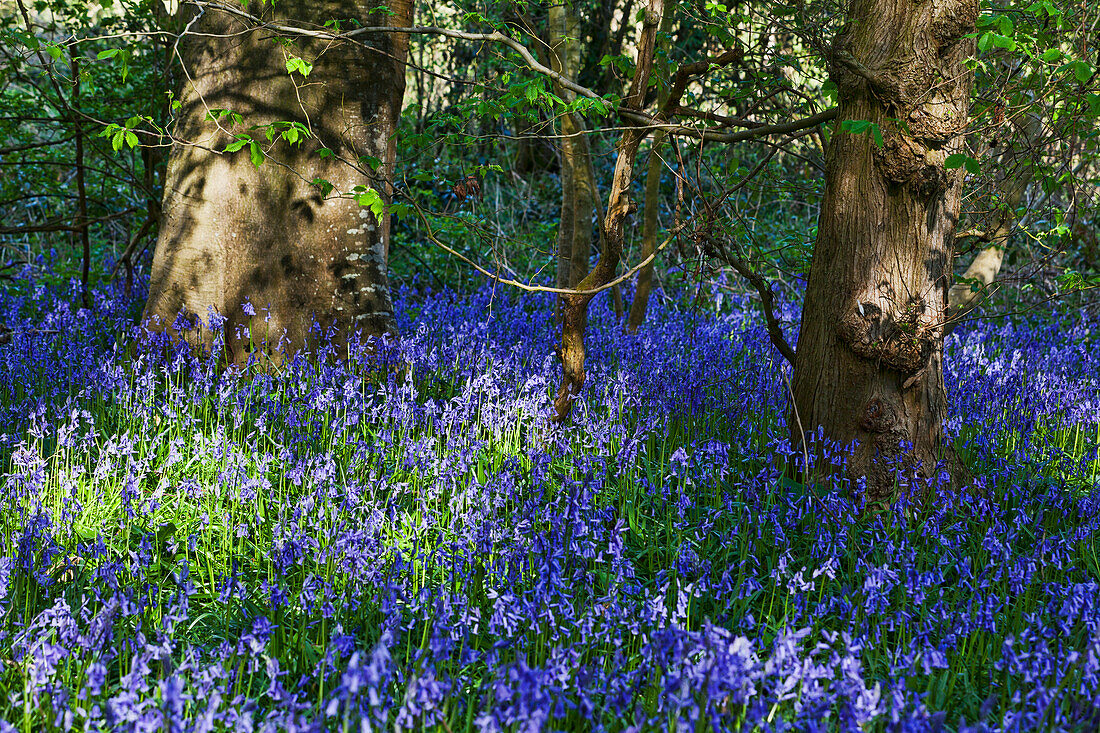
(348, 545)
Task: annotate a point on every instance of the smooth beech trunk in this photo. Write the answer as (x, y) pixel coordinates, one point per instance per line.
(233, 232)
(869, 365)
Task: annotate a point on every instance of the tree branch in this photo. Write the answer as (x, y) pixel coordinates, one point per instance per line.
(767, 300)
(431, 237)
(635, 116)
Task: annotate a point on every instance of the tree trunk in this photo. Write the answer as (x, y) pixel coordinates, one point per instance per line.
(1015, 169)
(869, 364)
(81, 189)
(234, 233)
(652, 203)
(578, 193)
(649, 234)
(619, 206)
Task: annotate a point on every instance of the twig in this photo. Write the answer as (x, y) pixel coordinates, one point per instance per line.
(636, 116)
(543, 288)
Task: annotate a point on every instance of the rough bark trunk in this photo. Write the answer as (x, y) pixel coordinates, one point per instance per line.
(619, 205)
(869, 365)
(233, 232)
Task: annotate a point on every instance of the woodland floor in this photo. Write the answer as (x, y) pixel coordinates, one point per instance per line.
(355, 546)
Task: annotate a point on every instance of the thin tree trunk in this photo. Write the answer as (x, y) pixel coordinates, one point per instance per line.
(584, 198)
(81, 189)
(617, 306)
(869, 363)
(567, 214)
(577, 180)
(575, 316)
(652, 203)
(649, 233)
(1016, 168)
(234, 233)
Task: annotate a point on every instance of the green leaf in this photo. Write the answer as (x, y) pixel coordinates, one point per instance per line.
(118, 139)
(110, 53)
(1051, 55)
(237, 144)
(972, 166)
(255, 153)
(876, 134)
(325, 153)
(1082, 70)
(1070, 280)
(325, 186)
(131, 139)
(302, 66)
(1038, 8)
(855, 126)
(370, 161)
(954, 160)
(373, 201)
(54, 51)
(1094, 104)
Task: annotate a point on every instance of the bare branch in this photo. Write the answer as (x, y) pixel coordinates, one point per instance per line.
(431, 236)
(767, 299)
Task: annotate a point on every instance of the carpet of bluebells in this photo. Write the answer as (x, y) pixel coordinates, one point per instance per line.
(402, 541)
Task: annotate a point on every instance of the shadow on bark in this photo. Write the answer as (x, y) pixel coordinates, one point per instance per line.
(267, 238)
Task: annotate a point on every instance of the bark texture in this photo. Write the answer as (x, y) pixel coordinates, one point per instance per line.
(652, 203)
(869, 364)
(233, 232)
(578, 188)
(619, 206)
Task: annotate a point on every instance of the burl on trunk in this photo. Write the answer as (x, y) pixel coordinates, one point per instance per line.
(869, 365)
